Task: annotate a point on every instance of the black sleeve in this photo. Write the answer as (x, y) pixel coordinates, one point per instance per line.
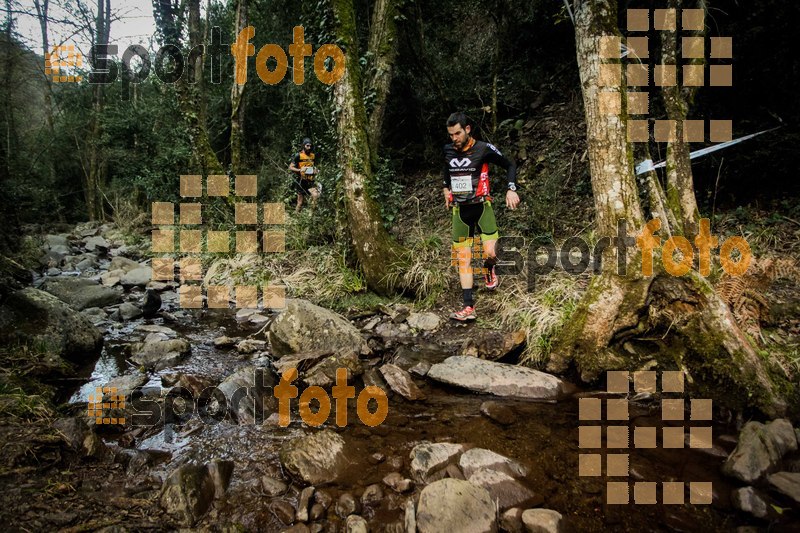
(296, 159)
(445, 173)
(495, 157)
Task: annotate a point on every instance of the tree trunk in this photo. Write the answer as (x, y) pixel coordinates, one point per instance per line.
(190, 87)
(383, 48)
(380, 258)
(95, 180)
(627, 320)
(237, 98)
(680, 184)
(42, 10)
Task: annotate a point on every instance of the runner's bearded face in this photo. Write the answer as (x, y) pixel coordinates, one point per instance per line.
(459, 135)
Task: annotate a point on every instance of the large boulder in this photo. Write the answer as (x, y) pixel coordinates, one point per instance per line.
(158, 351)
(189, 490)
(82, 293)
(429, 459)
(315, 458)
(787, 483)
(124, 264)
(478, 458)
(499, 379)
(760, 449)
(305, 327)
(38, 318)
(248, 394)
(138, 277)
(455, 505)
(504, 489)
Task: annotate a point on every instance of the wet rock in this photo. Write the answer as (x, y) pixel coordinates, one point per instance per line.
(57, 240)
(316, 528)
(124, 264)
(373, 495)
(224, 342)
(53, 258)
(504, 489)
(283, 510)
(427, 458)
(478, 458)
(138, 277)
(454, 472)
(273, 487)
(317, 511)
(390, 329)
(410, 517)
(421, 369)
(127, 383)
(497, 378)
(410, 355)
(323, 498)
(111, 278)
(355, 524)
(82, 293)
(85, 264)
(542, 521)
(373, 378)
(96, 243)
(400, 381)
(347, 505)
(194, 383)
(759, 450)
(783, 435)
(188, 493)
(158, 352)
(80, 437)
(151, 303)
(787, 483)
(248, 394)
(492, 345)
(323, 374)
(302, 503)
(152, 328)
(258, 319)
(398, 483)
(423, 321)
(502, 414)
(32, 316)
(371, 323)
(95, 314)
(221, 473)
(297, 528)
(748, 500)
(399, 313)
(305, 327)
(243, 315)
(251, 345)
(129, 311)
(316, 458)
(299, 361)
(455, 505)
(511, 521)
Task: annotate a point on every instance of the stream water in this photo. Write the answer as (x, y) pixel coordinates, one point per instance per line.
(544, 437)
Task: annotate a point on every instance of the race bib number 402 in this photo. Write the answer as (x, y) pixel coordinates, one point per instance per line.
(461, 184)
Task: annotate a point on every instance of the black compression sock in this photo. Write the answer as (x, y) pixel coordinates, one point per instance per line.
(468, 299)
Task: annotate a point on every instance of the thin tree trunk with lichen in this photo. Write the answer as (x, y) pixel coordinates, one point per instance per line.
(378, 255)
(383, 51)
(627, 320)
(237, 98)
(677, 100)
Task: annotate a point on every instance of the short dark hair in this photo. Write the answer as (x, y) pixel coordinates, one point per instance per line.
(458, 118)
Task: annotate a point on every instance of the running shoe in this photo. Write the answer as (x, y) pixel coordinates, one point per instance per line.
(491, 279)
(468, 313)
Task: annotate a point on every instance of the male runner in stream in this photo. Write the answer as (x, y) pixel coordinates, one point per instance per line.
(465, 182)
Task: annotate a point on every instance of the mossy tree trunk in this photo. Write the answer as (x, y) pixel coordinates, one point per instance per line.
(627, 320)
(379, 256)
(190, 87)
(237, 97)
(383, 51)
(677, 100)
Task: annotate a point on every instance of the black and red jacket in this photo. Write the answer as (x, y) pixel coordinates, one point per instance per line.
(466, 173)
